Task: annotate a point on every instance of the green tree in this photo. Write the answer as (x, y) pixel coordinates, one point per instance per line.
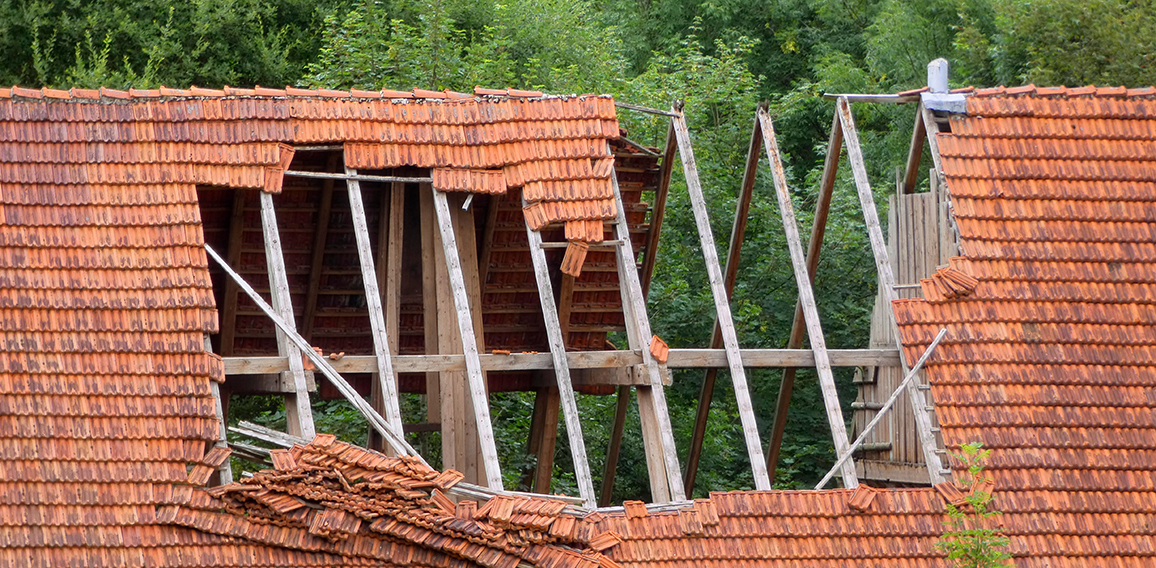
(973, 540)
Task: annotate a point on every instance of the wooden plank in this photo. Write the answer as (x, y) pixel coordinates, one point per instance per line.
(233, 253)
(730, 274)
(488, 238)
(932, 128)
(465, 231)
(544, 468)
(845, 458)
(658, 210)
(657, 434)
(887, 283)
(298, 412)
(798, 329)
(395, 439)
(873, 98)
(429, 281)
(477, 384)
(317, 261)
(565, 305)
(561, 370)
(914, 152)
(258, 432)
(892, 472)
(356, 177)
(394, 238)
(387, 381)
(615, 446)
(579, 360)
(722, 306)
(807, 299)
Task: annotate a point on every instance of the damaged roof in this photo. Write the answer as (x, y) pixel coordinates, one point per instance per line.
(105, 301)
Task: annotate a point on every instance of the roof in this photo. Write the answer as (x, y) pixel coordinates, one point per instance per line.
(106, 299)
(1049, 351)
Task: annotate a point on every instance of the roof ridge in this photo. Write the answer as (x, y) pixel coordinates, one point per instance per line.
(257, 91)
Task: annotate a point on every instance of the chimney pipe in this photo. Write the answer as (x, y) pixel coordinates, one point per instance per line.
(937, 72)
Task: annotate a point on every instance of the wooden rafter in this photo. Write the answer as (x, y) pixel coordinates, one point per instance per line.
(730, 275)
(722, 306)
(807, 300)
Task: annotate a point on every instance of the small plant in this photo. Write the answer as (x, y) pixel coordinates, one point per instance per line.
(973, 540)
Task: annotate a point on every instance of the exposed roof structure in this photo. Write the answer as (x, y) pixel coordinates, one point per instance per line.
(105, 300)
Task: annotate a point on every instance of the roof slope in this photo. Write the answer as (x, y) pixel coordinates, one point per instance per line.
(105, 297)
(1048, 361)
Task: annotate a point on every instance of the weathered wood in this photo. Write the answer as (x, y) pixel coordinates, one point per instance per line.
(429, 282)
(722, 306)
(258, 432)
(615, 446)
(914, 152)
(317, 258)
(391, 246)
(476, 380)
(807, 299)
(887, 282)
(298, 411)
(565, 305)
(233, 253)
(225, 472)
(579, 360)
(544, 467)
(730, 274)
(387, 381)
(892, 472)
(348, 176)
(658, 210)
(798, 329)
(640, 108)
(561, 370)
(846, 457)
(395, 439)
(931, 126)
(873, 98)
(657, 434)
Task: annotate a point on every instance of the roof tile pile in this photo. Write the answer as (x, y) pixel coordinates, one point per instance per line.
(1048, 356)
(333, 497)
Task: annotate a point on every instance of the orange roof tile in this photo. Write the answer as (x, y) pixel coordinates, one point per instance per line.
(1049, 313)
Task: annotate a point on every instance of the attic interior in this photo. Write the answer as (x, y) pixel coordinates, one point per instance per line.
(323, 265)
(330, 308)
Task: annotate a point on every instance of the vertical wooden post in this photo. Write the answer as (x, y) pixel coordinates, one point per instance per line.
(657, 434)
(389, 245)
(887, 283)
(807, 300)
(233, 254)
(722, 306)
(386, 379)
(798, 329)
(298, 412)
(914, 153)
(477, 385)
(429, 280)
(615, 446)
(561, 368)
(738, 230)
(317, 260)
(547, 439)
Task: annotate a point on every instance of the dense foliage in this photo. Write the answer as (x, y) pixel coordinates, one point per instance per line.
(720, 56)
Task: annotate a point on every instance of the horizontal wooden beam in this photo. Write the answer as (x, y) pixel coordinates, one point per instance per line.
(869, 98)
(679, 359)
(357, 177)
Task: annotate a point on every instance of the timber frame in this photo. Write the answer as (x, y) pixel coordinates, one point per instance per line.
(455, 244)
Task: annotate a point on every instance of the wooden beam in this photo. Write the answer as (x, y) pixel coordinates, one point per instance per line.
(846, 457)
(385, 376)
(429, 282)
(477, 384)
(914, 152)
(730, 274)
(657, 434)
(547, 442)
(827, 385)
(615, 447)
(348, 176)
(395, 439)
(874, 98)
(887, 284)
(932, 128)
(640, 108)
(658, 210)
(298, 412)
(798, 329)
(488, 238)
(722, 306)
(561, 370)
(581, 360)
(390, 237)
(233, 253)
(317, 260)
